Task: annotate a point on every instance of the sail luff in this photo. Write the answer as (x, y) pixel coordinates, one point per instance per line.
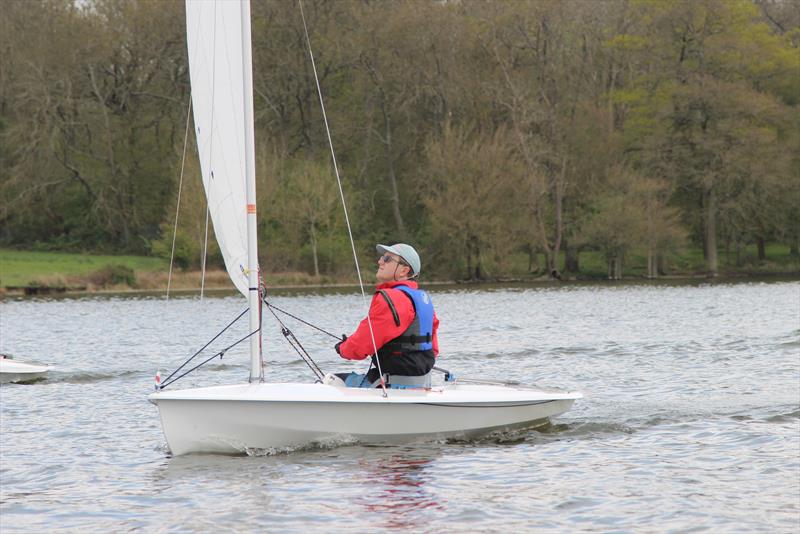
(214, 43)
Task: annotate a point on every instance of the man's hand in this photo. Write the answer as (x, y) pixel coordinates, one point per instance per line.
(336, 347)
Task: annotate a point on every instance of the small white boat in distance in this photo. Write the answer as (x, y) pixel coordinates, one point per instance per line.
(276, 416)
(16, 371)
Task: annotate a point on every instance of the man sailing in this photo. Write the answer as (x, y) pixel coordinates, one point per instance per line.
(404, 324)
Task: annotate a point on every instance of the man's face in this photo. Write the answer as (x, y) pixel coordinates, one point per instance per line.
(390, 268)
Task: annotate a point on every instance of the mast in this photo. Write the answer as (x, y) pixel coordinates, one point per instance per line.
(256, 367)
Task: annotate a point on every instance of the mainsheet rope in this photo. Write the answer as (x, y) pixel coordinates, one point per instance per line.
(341, 195)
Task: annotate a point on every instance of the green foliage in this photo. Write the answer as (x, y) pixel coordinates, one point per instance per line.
(480, 131)
(113, 275)
(90, 122)
(187, 253)
(469, 195)
(18, 268)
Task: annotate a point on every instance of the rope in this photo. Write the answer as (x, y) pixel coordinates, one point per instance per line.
(220, 354)
(288, 334)
(193, 356)
(295, 343)
(341, 195)
(298, 348)
(301, 320)
(180, 188)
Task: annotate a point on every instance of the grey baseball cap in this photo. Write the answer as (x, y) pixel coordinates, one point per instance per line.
(406, 252)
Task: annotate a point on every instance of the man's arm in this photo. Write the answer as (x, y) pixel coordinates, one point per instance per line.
(359, 345)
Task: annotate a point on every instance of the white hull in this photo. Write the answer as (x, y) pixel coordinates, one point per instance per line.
(17, 371)
(232, 419)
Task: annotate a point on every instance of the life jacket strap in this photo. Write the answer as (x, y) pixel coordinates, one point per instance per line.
(413, 340)
(391, 306)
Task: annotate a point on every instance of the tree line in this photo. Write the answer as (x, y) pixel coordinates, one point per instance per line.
(478, 130)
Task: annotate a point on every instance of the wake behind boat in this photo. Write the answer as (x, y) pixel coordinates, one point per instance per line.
(259, 415)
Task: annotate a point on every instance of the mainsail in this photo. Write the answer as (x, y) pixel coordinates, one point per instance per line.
(216, 51)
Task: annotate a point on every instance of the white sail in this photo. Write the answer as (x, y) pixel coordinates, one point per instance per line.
(214, 38)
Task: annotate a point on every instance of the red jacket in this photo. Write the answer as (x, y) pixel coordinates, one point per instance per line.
(359, 344)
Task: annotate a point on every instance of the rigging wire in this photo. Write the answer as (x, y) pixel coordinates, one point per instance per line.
(295, 343)
(177, 212)
(287, 333)
(341, 195)
(180, 189)
(193, 356)
(219, 354)
(272, 306)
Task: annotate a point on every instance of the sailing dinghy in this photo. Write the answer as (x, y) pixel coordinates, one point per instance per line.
(257, 415)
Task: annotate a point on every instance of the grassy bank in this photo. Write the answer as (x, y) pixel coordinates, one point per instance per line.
(86, 272)
(60, 269)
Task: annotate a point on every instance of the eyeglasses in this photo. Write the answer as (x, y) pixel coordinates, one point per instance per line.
(389, 259)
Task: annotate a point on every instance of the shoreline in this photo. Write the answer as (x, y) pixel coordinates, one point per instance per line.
(124, 290)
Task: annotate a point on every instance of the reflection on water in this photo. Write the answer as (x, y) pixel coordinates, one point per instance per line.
(400, 491)
(690, 420)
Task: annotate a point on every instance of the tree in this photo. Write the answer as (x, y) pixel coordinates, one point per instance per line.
(94, 119)
(472, 195)
(308, 204)
(700, 113)
(549, 64)
(615, 224)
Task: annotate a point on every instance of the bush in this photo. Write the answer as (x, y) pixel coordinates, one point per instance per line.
(113, 275)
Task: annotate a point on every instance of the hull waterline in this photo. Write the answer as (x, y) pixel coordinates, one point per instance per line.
(234, 419)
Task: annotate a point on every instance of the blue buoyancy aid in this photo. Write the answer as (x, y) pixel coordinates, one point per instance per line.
(419, 335)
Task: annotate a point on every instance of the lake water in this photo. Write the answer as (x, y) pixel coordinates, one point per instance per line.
(690, 421)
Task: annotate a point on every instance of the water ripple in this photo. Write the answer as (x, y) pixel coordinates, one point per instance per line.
(690, 421)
